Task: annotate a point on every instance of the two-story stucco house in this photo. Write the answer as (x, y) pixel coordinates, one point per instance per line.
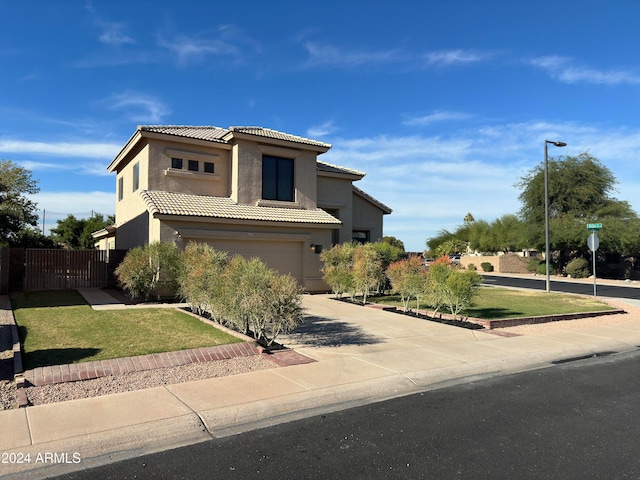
(245, 190)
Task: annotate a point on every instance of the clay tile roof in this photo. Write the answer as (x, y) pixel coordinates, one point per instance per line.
(268, 133)
(171, 203)
(209, 133)
(330, 168)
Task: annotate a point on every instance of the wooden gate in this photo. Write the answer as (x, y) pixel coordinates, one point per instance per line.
(65, 269)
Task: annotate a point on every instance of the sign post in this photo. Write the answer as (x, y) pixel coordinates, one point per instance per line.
(593, 242)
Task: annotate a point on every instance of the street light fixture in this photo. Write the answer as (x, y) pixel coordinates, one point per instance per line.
(546, 207)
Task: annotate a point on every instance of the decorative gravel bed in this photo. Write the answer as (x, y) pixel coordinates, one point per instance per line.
(7, 385)
(148, 379)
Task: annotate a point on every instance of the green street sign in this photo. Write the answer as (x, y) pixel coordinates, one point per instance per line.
(594, 226)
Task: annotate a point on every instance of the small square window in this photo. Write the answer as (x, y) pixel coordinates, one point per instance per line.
(193, 165)
(209, 167)
(176, 163)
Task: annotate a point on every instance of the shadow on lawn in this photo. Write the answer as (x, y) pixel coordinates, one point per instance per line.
(56, 356)
(327, 332)
(492, 313)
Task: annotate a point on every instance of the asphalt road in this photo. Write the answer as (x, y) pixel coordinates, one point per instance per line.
(575, 420)
(566, 287)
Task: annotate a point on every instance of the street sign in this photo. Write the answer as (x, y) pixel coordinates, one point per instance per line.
(594, 226)
(593, 242)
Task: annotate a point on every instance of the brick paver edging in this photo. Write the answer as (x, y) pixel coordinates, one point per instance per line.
(102, 368)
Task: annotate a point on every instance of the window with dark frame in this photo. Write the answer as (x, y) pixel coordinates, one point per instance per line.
(120, 188)
(209, 167)
(176, 163)
(277, 178)
(193, 165)
(136, 177)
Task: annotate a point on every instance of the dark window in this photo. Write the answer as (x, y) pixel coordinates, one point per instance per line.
(277, 178)
(193, 165)
(208, 167)
(120, 188)
(176, 163)
(136, 177)
(360, 236)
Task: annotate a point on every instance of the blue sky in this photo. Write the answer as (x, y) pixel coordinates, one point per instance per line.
(444, 104)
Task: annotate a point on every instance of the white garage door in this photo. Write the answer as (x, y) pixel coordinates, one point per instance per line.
(285, 257)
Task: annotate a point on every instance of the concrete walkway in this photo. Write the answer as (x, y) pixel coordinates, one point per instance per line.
(362, 356)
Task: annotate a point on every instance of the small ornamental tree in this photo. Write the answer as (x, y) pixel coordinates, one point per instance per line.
(367, 270)
(460, 289)
(337, 268)
(408, 279)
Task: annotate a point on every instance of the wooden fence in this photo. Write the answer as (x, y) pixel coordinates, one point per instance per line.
(50, 269)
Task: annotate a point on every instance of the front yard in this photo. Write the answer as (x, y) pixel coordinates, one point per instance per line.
(494, 303)
(58, 327)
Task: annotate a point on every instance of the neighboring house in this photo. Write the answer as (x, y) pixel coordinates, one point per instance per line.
(245, 190)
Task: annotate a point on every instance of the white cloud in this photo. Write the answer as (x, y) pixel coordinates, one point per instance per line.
(321, 55)
(322, 130)
(564, 70)
(193, 50)
(139, 107)
(454, 57)
(60, 149)
(55, 206)
(114, 34)
(438, 116)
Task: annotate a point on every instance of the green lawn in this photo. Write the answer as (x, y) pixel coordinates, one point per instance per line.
(58, 327)
(497, 303)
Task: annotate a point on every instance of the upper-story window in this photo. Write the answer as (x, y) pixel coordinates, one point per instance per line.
(136, 177)
(178, 163)
(120, 188)
(277, 178)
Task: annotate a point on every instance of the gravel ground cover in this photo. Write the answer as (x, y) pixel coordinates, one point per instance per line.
(148, 379)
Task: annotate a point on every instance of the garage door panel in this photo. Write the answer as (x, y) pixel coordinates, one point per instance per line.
(285, 257)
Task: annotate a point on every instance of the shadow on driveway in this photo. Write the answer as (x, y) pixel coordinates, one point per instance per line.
(328, 332)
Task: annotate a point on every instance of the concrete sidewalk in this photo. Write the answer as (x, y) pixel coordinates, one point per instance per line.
(362, 355)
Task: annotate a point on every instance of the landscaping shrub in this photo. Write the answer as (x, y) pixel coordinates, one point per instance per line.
(533, 264)
(152, 269)
(337, 268)
(542, 268)
(472, 267)
(408, 279)
(578, 268)
(200, 281)
(367, 270)
(486, 267)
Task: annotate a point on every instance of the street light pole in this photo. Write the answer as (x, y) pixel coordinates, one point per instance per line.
(546, 208)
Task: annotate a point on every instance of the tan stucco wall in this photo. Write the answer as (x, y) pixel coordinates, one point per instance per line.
(337, 194)
(163, 177)
(367, 217)
(501, 263)
(246, 165)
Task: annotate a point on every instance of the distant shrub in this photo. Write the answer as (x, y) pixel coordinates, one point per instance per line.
(578, 268)
(533, 265)
(472, 266)
(486, 267)
(542, 269)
